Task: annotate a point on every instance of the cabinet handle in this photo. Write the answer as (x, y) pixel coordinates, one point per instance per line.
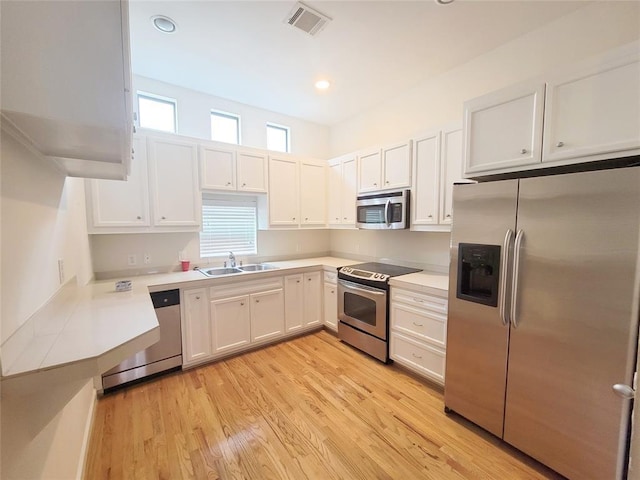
(244, 184)
(560, 144)
(419, 300)
(333, 291)
(418, 324)
(294, 218)
(344, 218)
(297, 281)
(197, 298)
(430, 216)
(228, 183)
(337, 218)
(523, 151)
(257, 300)
(416, 356)
(309, 279)
(164, 218)
(448, 215)
(375, 184)
(242, 304)
(387, 182)
(139, 217)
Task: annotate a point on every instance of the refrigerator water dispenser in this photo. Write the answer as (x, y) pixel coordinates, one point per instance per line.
(478, 273)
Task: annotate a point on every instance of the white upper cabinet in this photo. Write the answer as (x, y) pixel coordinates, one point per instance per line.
(217, 168)
(591, 112)
(385, 168)
(341, 191)
(396, 161)
(283, 192)
(251, 170)
(450, 172)
(117, 203)
(66, 83)
(312, 194)
(225, 168)
(426, 180)
(594, 111)
(173, 175)
(437, 165)
(369, 171)
(503, 129)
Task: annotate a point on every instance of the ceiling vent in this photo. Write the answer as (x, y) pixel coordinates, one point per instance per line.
(306, 19)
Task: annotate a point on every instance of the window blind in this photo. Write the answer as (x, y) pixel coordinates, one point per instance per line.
(228, 225)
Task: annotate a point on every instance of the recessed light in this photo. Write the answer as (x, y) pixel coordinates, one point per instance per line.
(164, 24)
(322, 84)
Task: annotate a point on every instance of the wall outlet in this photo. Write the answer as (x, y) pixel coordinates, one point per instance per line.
(132, 259)
(61, 270)
(147, 259)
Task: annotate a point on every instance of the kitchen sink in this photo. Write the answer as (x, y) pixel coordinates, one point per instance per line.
(218, 272)
(258, 267)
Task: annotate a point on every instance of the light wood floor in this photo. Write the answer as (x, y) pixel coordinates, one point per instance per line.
(309, 408)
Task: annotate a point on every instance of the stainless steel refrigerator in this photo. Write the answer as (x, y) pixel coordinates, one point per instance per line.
(543, 315)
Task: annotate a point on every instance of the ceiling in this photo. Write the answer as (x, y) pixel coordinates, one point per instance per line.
(371, 50)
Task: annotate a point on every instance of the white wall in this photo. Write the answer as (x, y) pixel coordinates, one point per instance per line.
(43, 220)
(110, 251)
(194, 109)
(597, 27)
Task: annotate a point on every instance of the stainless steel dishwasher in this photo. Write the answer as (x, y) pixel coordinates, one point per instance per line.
(159, 357)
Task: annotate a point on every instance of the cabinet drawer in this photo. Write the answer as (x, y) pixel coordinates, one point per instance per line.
(427, 325)
(244, 287)
(423, 359)
(420, 300)
(330, 277)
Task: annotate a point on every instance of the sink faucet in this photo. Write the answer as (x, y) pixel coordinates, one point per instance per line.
(232, 260)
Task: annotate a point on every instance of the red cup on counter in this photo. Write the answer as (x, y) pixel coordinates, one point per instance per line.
(185, 265)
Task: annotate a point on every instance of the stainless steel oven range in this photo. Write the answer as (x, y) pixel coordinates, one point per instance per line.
(363, 306)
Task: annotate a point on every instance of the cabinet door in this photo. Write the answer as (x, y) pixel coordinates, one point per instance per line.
(349, 192)
(117, 203)
(173, 173)
(252, 172)
(396, 160)
(331, 306)
(312, 194)
(334, 194)
(595, 111)
(196, 335)
(313, 299)
(267, 315)
(451, 171)
(283, 192)
(503, 130)
(230, 325)
(426, 180)
(217, 168)
(369, 171)
(293, 302)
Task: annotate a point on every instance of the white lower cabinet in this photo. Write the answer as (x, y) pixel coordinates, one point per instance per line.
(196, 336)
(418, 331)
(230, 323)
(330, 301)
(303, 301)
(267, 315)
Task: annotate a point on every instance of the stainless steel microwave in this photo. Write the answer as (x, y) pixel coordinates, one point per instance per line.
(383, 211)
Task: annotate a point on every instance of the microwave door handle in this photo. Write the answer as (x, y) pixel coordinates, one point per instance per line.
(386, 213)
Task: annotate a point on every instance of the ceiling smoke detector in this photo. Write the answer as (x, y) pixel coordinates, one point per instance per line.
(306, 19)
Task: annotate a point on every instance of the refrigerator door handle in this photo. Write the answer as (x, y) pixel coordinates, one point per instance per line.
(504, 264)
(514, 281)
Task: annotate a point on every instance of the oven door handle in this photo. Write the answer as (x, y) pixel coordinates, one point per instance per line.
(361, 288)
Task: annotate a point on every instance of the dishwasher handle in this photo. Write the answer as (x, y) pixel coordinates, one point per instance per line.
(166, 298)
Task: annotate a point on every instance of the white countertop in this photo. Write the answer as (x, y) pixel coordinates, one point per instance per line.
(427, 282)
(85, 331)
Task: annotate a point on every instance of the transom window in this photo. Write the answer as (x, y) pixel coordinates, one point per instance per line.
(225, 127)
(229, 224)
(277, 137)
(156, 112)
